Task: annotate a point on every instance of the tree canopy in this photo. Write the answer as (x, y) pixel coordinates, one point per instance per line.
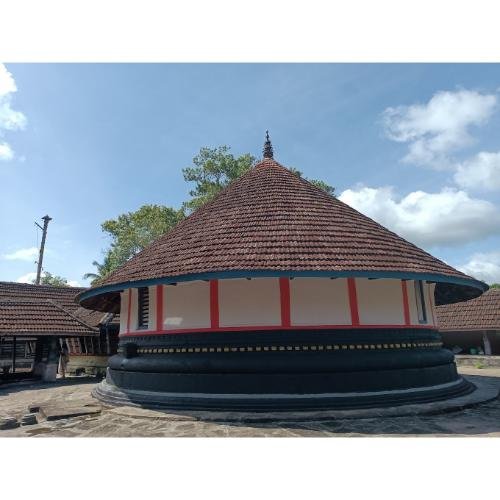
(211, 171)
(49, 279)
(102, 270)
(214, 168)
(321, 184)
(131, 232)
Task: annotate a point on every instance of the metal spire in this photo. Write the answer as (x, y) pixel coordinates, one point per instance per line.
(268, 147)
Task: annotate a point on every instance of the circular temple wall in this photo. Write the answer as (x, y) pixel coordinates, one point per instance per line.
(280, 343)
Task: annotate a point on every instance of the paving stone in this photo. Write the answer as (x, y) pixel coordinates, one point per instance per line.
(61, 411)
(7, 423)
(481, 420)
(29, 419)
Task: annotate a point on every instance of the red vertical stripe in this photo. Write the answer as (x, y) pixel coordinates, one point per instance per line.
(353, 301)
(129, 308)
(214, 303)
(159, 308)
(285, 301)
(406, 306)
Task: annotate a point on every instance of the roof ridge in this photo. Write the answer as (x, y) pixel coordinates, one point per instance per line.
(52, 287)
(23, 299)
(50, 301)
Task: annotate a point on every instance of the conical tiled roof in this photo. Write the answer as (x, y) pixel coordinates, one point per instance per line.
(272, 222)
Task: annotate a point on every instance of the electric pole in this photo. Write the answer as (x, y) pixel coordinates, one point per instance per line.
(46, 221)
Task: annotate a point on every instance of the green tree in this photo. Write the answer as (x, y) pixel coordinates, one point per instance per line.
(495, 285)
(50, 279)
(130, 233)
(213, 169)
(321, 184)
(102, 270)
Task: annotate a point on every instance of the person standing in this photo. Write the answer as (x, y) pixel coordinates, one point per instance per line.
(63, 358)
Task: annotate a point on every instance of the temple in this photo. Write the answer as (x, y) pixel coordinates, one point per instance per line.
(278, 295)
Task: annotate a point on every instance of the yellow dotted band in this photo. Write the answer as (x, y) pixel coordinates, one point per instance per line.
(274, 348)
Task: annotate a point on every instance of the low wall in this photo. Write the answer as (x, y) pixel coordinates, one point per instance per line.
(472, 360)
(88, 364)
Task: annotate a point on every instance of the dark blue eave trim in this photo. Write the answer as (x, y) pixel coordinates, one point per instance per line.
(438, 278)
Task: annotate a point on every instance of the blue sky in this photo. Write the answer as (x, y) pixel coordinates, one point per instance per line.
(415, 146)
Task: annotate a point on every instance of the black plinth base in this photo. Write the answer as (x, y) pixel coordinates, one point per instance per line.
(110, 394)
(262, 371)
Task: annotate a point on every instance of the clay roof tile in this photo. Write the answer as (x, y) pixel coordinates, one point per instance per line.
(272, 220)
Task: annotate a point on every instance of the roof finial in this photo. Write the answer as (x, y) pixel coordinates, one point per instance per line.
(268, 147)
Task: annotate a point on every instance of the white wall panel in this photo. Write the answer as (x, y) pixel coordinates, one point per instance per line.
(152, 308)
(380, 301)
(123, 311)
(254, 302)
(319, 301)
(186, 305)
(133, 309)
(412, 302)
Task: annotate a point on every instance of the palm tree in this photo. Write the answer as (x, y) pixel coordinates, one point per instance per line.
(103, 270)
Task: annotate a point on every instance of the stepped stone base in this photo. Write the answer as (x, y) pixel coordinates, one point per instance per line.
(298, 370)
(110, 394)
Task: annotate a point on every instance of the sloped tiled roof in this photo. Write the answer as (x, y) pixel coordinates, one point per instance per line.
(272, 220)
(482, 313)
(18, 299)
(40, 317)
(63, 295)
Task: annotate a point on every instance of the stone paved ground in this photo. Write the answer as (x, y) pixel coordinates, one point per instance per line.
(482, 420)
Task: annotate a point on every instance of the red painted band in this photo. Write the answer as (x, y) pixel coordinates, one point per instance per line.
(159, 307)
(129, 308)
(142, 333)
(406, 305)
(214, 304)
(285, 301)
(353, 301)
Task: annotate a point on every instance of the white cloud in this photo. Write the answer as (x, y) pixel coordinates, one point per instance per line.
(439, 127)
(480, 172)
(27, 278)
(7, 83)
(10, 119)
(74, 283)
(6, 152)
(26, 254)
(483, 266)
(449, 217)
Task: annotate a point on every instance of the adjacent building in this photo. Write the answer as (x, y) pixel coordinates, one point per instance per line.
(472, 327)
(36, 319)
